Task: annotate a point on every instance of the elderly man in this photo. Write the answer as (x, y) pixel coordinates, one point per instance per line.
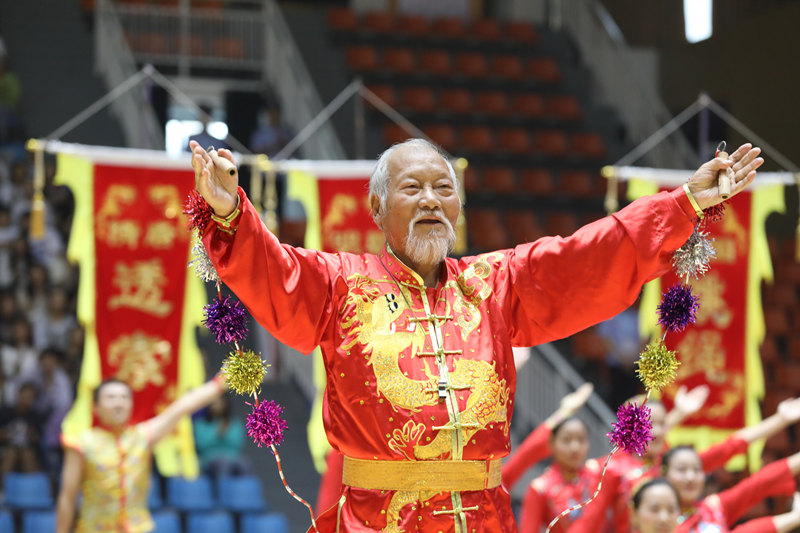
(417, 346)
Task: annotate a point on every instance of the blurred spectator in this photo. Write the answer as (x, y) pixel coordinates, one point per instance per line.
(8, 234)
(74, 354)
(51, 328)
(271, 134)
(220, 442)
(8, 312)
(52, 403)
(204, 138)
(20, 433)
(19, 357)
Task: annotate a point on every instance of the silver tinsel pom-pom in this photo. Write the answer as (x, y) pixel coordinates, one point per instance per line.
(693, 257)
(202, 263)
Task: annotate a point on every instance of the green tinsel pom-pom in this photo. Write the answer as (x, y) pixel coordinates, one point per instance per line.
(657, 365)
(244, 372)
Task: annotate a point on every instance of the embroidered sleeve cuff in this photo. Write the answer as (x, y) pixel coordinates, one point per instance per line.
(230, 223)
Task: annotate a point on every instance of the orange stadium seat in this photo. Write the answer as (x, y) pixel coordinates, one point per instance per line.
(380, 22)
(521, 32)
(472, 64)
(578, 183)
(442, 134)
(477, 138)
(499, 180)
(561, 223)
(508, 67)
(196, 45)
(777, 321)
(589, 144)
(493, 103)
(450, 27)
(544, 70)
(420, 99)
(151, 43)
(472, 179)
(456, 100)
(514, 140)
(416, 25)
(530, 105)
(485, 230)
(436, 62)
(385, 93)
(394, 133)
(551, 143)
(228, 47)
(399, 60)
(486, 30)
(523, 226)
(342, 19)
(363, 58)
(537, 181)
(565, 107)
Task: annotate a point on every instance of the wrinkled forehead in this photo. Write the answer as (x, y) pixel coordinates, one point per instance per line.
(419, 161)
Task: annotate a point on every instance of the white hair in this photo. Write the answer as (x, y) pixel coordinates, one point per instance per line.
(379, 179)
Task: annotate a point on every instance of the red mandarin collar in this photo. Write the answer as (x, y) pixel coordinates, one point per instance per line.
(405, 274)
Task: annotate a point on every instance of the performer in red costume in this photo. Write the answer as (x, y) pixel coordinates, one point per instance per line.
(416, 345)
(718, 512)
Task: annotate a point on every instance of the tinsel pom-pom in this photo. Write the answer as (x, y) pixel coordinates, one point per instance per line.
(198, 211)
(657, 365)
(713, 214)
(265, 425)
(693, 257)
(202, 264)
(678, 308)
(226, 319)
(633, 429)
(244, 372)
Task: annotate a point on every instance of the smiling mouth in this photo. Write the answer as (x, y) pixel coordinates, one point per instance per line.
(429, 222)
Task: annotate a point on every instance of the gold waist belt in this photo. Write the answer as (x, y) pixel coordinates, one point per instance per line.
(438, 476)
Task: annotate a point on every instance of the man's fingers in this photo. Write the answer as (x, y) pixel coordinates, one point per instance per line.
(227, 154)
(746, 159)
(740, 152)
(747, 169)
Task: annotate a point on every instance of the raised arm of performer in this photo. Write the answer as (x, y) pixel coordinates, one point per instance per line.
(536, 446)
(781, 523)
(686, 403)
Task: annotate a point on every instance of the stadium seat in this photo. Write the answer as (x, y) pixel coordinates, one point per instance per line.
(477, 138)
(6, 522)
(544, 70)
(564, 107)
(449, 27)
(38, 521)
(190, 495)
(472, 64)
(435, 62)
(385, 93)
(472, 179)
(523, 226)
(457, 100)
(521, 32)
(379, 22)
(537, 181)
(394, 133)
(442, 134)
(399, 60)
(561, 223)
(363, 58)
(487, 30)
(508, 67)
(514, 141)
(241, 494)
(420, 99)
(261, 523)
(211, 522)
(579, 183)
(552, 143)
(588, 144)
(167, 522)
(228, 47)
(500, 180)
(529, 105)
(485, 230)
(414, 25)
(493, 103)
(27, 491)
(342, 19)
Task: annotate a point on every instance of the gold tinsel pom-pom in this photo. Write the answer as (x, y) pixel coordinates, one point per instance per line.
(244, 372)
(657, 365)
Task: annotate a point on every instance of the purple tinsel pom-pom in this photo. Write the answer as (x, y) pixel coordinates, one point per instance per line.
(226, 319)
(633, 429)
(678, 308)
(265, 425)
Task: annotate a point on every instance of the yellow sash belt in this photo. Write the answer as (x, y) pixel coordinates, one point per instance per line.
(438, 476)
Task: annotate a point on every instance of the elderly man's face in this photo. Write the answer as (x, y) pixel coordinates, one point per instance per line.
(421, 208)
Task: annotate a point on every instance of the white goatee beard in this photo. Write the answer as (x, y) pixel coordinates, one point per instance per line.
(432, 248)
